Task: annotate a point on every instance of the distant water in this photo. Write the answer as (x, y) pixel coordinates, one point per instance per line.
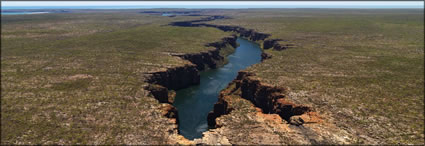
(15, 10)
(209, 6)
(168, 14)
(75, 7)
(22, 13)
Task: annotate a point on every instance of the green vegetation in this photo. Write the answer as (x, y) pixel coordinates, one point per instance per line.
(78, 78)
(363, 67)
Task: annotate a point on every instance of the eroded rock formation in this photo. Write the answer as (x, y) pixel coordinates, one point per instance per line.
(250, 111)
(176, 78)
(212, 58)
(276, 44)
(270, 99)
(243, 32)
(265, 56)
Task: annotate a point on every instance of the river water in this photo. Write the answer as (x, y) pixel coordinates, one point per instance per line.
(195, 102)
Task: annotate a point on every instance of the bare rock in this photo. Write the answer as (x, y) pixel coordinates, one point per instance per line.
(296, 120)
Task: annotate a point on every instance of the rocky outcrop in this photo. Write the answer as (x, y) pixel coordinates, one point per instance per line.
(270, 43)
(162, 94)
(170, 111)
(204, 60)
(176, 78)
(252, 35)
(265, 56)
(212, 138)
(212, 58)
(220, 108)
(250, 111)
(270, 99)
(276, 44)
(224, 42)
(243, 32)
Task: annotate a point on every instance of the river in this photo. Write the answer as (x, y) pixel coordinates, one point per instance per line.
(195, 102)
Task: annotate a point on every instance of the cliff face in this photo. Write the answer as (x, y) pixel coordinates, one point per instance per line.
(249, 111)
(176, 78)
(163, 83)
(270, 99)
(212, 58)
(221, 107)
(187, 75)
(276, 44)
(243, 32)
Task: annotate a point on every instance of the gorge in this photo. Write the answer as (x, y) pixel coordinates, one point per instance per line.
(201, 96)
(195, 102)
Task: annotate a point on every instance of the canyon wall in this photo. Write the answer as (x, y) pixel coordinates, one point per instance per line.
(268, 99)
(210, 59)
(187, 75)
(163, 83)
(276, 44)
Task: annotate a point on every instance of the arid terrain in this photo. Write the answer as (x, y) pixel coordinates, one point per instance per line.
(341, 76)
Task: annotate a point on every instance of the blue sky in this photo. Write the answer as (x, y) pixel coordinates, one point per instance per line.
(401, 4)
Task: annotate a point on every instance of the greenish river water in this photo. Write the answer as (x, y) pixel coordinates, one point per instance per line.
(195, 102)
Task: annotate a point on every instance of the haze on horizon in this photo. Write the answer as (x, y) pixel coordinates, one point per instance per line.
(227, 4)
